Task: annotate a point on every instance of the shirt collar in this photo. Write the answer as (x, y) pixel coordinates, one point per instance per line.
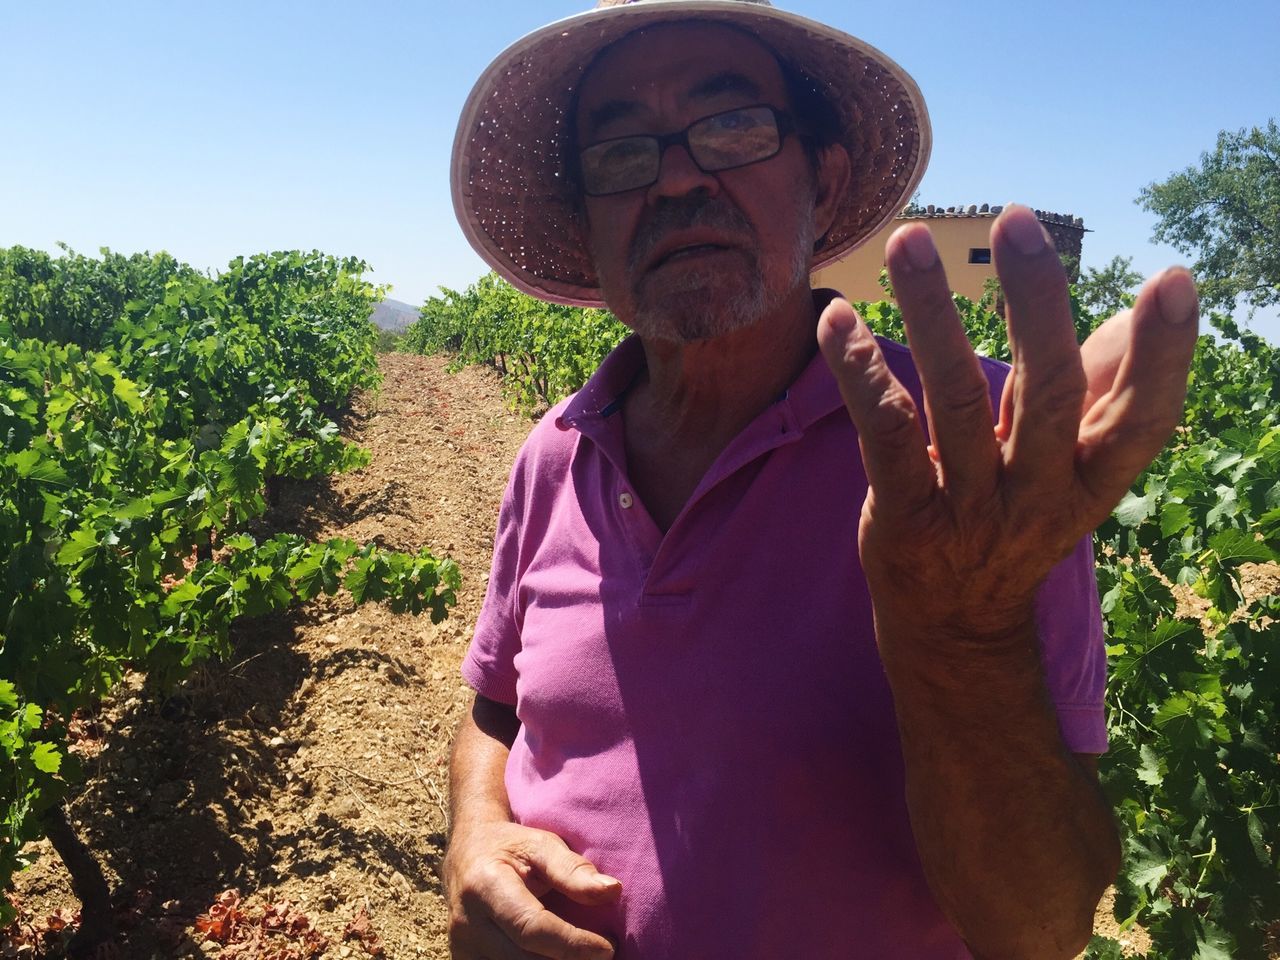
(599, 396)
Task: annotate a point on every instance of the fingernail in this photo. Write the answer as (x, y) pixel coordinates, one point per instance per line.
(1178, 301)
(921, 253)
(605, 883)
(839, 320)
(1025, 233)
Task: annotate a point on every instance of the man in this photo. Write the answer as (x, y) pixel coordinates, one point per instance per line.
(783, 655)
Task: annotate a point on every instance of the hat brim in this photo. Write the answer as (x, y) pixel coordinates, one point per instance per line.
(511, 190)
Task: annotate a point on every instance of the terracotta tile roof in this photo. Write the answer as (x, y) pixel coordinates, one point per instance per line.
(990, 210)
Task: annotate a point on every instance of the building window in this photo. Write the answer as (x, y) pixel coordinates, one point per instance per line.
(979, 254)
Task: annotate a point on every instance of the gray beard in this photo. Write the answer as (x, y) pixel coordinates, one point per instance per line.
(706, 304)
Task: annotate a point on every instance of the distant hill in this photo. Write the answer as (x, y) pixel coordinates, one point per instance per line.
(393, 315)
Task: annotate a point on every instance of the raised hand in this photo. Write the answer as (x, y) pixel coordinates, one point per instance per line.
(955, 537)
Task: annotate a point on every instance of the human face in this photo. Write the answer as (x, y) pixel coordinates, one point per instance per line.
(695, 255)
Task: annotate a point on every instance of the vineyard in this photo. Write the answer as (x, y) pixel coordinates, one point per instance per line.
(151, 413)
(180, 471)
(543, 351)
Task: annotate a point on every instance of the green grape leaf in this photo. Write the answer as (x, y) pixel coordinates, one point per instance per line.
(40, 467)
(1104, 948)
(80, 543)
(308, 576)
(1214, 945)
(1134, 509)
(46, 757)
(127, 392)
(1174, 517)
(1254, 828)
(1145, 869)
(1236, 546)
(1149, 771)
(134, 509)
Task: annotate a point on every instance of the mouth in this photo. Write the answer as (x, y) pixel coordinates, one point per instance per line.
(686, 245)
(689, 252)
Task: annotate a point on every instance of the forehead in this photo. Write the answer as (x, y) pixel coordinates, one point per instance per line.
(672, 63)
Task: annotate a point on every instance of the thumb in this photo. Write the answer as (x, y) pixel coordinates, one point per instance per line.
(573, 875)
(1103, 353)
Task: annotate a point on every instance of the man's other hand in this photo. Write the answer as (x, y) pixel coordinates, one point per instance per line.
(494, 874)
(956, 536)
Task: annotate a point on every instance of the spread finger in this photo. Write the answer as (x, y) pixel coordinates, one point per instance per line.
(957, 394)
(898, 467)
(1049, 385)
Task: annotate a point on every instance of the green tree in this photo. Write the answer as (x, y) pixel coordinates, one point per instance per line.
(1226, 212)
(1110, 289)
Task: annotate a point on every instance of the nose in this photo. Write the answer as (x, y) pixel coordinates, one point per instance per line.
(679, 176)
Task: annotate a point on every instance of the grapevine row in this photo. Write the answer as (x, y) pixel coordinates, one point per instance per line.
(149, 410)
(543, 350)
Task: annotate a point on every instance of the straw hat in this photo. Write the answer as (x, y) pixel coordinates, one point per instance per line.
(515, 199)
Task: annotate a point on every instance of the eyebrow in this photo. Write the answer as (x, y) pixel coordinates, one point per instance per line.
(610, 111)
(727, 81)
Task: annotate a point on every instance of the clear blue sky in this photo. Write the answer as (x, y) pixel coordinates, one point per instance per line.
(212, 130)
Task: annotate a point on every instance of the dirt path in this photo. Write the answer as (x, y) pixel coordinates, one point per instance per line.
(311, 770)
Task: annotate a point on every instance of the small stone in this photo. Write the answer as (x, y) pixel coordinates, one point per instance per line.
(277, 741)
(346, 810)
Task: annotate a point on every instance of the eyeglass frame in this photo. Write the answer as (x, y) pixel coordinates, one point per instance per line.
(783, 122)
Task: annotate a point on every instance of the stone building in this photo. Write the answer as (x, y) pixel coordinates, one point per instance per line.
(963, 238)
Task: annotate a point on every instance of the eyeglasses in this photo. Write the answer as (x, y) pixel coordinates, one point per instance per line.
(721, 141)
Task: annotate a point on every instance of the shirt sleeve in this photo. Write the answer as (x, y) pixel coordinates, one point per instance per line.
(489, 666)
(1073, 649)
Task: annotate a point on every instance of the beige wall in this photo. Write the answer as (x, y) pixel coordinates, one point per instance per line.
(856, 276)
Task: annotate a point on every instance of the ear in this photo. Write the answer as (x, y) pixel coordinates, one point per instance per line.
(834, 173)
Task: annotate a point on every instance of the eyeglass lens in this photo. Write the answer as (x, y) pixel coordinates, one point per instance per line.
(726, 140)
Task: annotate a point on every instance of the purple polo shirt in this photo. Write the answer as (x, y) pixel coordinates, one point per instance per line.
(703, 713)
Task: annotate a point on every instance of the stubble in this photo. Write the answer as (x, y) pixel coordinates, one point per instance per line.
(690, 302)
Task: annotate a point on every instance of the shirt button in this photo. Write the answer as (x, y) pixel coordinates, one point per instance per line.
(625, 500)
